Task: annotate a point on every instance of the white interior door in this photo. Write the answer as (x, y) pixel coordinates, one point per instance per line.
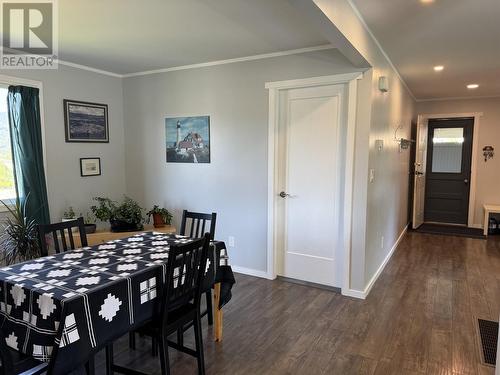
(420, 169)
(309, 173)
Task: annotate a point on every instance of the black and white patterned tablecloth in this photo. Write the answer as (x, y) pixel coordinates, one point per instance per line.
(72, 304)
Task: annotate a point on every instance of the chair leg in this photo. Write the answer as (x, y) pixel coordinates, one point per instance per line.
(154, 347)
(199, 345)
(180, 336)
(210, 311)
(90, 366)
(164, 361)
(109, 359)
(131, 340)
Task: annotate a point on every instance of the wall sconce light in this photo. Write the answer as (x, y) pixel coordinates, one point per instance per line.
(383, 84)
(404, 144)
(488, 152)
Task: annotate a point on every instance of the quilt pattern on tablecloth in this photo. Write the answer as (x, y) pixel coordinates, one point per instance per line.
(79, 300)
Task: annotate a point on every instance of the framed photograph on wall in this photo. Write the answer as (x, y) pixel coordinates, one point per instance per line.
(187, 139)
(90, 167)
(86, 122)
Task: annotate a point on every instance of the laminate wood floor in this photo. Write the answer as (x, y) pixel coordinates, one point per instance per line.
(420, 318)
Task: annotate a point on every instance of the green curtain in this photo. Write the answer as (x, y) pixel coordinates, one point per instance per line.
(27, 151)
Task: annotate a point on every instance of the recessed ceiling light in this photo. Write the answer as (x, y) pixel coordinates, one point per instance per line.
(438, 68)
(472, 86)
(426, 1)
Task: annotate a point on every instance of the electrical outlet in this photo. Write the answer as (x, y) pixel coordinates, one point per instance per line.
(382, 242)
(372, 175)
(230, 241)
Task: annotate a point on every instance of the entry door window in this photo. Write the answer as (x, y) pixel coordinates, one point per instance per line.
(447, 150)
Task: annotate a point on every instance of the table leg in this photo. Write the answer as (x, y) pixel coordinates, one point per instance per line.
(486, 223)
(218, 314)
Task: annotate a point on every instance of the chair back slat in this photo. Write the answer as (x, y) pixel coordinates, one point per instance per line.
(195, 223)
(63, 238)
(185, 270)
(61, 233)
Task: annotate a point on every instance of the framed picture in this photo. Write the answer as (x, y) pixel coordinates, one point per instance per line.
(85, 122)
(187, 139)
(90, 167)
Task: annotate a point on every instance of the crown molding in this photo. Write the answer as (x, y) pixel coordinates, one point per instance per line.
(235, 60)
(89, 68)
(458, 98)
(375, 40)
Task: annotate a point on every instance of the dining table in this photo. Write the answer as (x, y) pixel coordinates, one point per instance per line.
(63, 308)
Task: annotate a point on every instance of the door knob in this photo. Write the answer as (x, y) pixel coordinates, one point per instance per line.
(418, 173)
(284, 195)
(466, 181)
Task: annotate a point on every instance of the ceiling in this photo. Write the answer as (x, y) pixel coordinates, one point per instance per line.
(128, 36)
(461, 35)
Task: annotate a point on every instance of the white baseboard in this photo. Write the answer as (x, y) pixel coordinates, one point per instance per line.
(384, 263)
(362, 294)
(250, 272)
(477, 226)
(354, 293)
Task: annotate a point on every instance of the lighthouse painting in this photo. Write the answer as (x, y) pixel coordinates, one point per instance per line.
(188, 139)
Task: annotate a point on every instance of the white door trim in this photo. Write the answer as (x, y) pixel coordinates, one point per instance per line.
(350, 79)
(475, 148)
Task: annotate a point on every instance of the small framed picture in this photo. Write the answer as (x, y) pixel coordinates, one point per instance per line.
(85, 122)
(90, 167)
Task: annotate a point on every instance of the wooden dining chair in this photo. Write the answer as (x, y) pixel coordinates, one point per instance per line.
(14, 362)
(193, 224)
(62, 235)
(179, 306)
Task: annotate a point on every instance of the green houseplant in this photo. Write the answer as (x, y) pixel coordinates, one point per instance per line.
(161, 216)
(19, 240)
(69, 214)
(123, 217)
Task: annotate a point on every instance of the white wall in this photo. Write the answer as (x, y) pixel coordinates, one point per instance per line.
(381, 209)
(488, 177)
(65, 186)
(234, 184)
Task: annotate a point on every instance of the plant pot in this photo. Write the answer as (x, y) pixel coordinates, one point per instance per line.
(123, 226)
(90, 228)
(158, 221)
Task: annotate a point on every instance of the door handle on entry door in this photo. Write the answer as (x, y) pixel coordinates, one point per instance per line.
(466, 181)
(284, 195)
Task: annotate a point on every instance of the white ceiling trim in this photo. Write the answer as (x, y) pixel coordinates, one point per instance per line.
(89, 68)
(235, 60)
(458, 98)
(358, 14)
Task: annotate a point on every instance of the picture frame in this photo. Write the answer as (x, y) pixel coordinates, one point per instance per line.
(90, 167)
(187, 139)
(86, 122)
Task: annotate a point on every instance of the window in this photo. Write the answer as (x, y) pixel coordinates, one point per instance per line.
(7, 184)
(447, 150)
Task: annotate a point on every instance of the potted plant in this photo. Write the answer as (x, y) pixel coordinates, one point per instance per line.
(123, 217)
(69, 214)
(90, 225)
(19, 240)
(161, 216)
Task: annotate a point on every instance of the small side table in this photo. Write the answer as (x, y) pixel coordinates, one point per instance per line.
(489, 209)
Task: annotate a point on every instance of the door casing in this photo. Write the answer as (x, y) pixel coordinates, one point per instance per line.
(424, 118)
(435, 179)
(350, 80)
